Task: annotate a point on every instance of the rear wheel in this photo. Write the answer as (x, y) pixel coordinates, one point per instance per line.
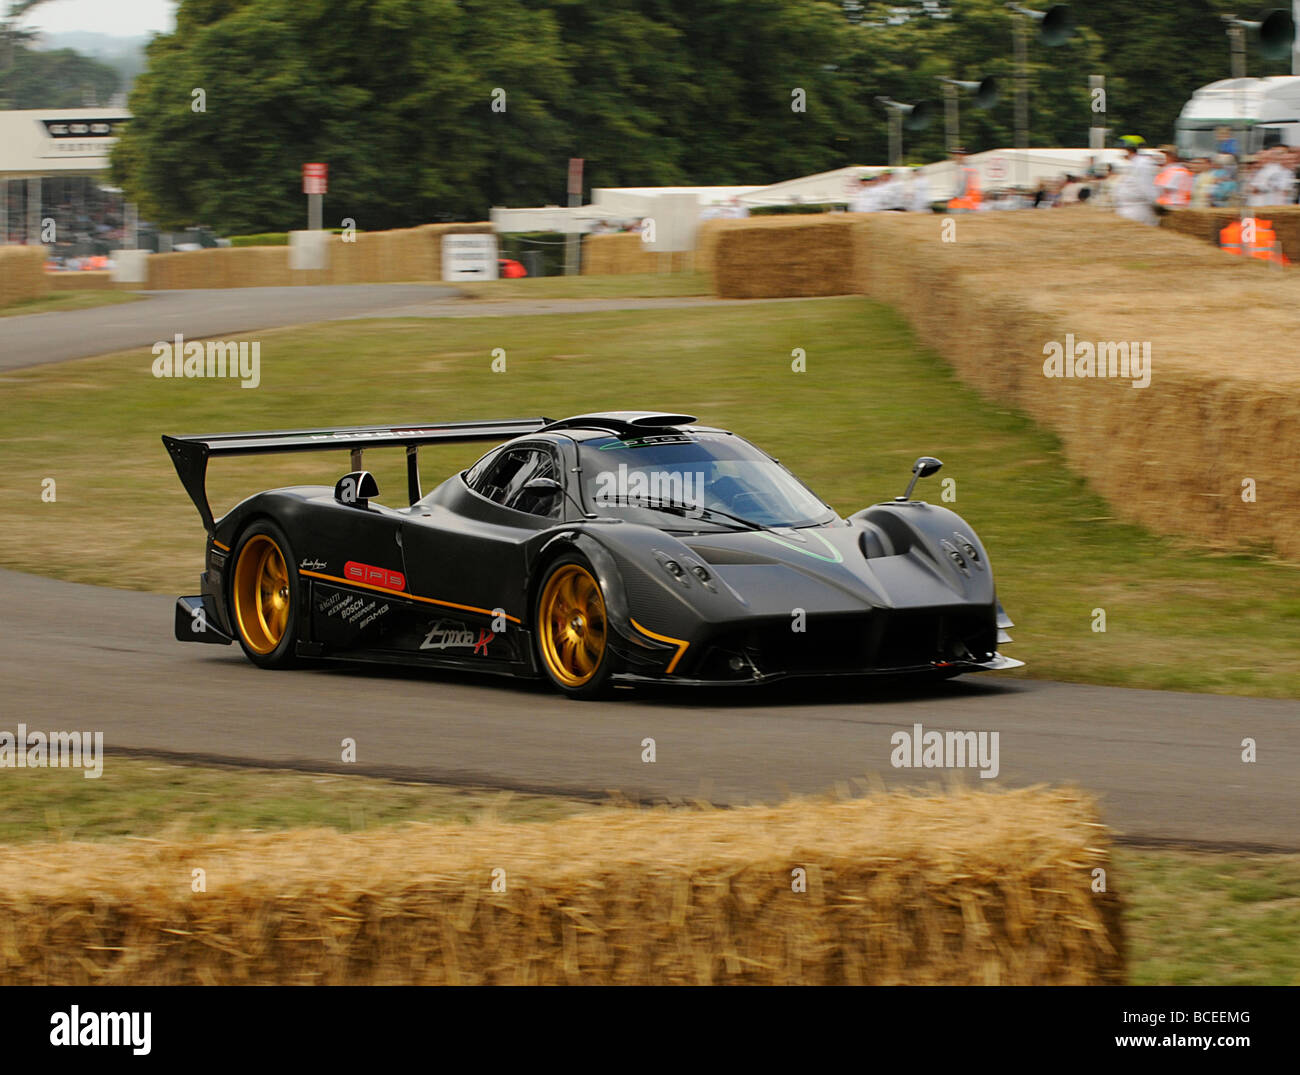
(264, 596)
(572, 630)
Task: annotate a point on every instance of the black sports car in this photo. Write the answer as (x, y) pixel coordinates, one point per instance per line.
(621, 547)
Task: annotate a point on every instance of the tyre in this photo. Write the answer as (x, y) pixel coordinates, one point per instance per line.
(571, 629)
(265, 596)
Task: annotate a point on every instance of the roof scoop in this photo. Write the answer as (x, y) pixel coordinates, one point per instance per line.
(656, 419)
(623, 422)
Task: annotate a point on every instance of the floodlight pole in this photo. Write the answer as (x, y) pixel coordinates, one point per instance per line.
(951, 115)
(1020, 30)
(895, 137)
(1237, 43)
(1096, 130)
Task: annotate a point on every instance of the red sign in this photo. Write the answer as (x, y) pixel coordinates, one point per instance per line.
(575, 175)
(370, 575)
(315, 178)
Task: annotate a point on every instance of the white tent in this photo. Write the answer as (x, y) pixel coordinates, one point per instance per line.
(999, 169)
(834, 187)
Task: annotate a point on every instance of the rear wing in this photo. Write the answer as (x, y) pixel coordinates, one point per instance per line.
(190, 454)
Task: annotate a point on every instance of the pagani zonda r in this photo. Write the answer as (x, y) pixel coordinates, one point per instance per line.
(622, 547)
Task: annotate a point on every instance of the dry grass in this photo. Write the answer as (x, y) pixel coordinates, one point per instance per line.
(975, 887)
(22, 274)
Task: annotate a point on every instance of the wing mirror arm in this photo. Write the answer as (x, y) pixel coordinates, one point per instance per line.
(922, 468)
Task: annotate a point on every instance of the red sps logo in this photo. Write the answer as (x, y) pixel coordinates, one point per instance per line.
(374, 576)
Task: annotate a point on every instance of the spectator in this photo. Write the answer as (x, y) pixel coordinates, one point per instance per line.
(1224, 191)
(864, 198)
(1272, 183)
(1293, 162)
(1103, 190)
(1070, 191)
(1203, 182)
(889, 192)
(1173, 182)
(1135, 191)
(1225, 141)
(966, 195)
(918, 198)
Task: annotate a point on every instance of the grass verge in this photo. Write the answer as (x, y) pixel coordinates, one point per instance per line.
(1176, 617)
(143, 797)
(68, 300)
(632, 285)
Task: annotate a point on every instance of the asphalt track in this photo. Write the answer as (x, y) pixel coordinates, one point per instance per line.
(38, 339)
(1167, 766)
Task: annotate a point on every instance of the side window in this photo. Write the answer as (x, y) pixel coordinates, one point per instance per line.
(502, 478)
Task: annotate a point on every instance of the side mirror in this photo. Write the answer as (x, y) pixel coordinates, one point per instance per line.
(356, 489)
(543, 485)
(922, 468)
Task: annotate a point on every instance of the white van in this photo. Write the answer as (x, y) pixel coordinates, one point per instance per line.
(1268, 108)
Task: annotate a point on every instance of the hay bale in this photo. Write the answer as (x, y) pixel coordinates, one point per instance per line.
(1205, 224)
(86, 280)
(626, 253)
(974, 887)
(775, 256)
(1224, 401)
(22, 274)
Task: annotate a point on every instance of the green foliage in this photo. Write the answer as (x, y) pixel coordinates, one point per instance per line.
(397, 96)
(59, 79)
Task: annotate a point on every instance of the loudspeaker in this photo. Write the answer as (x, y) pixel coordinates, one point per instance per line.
(1057, 25)
(1276, 35)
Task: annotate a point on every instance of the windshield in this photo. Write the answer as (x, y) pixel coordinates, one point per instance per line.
(712, 478)
(1203, 139)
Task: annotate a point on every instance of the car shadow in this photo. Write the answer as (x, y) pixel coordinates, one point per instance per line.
(784, 693)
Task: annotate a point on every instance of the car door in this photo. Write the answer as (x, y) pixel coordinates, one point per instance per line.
(466, 553)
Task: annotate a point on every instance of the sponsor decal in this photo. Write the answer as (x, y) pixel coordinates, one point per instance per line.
(353, 609)
(646, 442)
(374, 576)
(451, 634)
(312, 565)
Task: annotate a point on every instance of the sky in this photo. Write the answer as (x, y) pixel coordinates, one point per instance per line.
(122, 18)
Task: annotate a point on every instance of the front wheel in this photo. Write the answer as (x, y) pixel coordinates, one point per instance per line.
(572, 629)
(264, 596)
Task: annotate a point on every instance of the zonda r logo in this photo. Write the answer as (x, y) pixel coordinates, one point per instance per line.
(450, 634)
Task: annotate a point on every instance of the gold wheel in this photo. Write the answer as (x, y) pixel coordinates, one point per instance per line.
(571, 625)
(261, 593)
